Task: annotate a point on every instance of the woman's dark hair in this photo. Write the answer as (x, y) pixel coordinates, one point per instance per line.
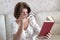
(18, 9)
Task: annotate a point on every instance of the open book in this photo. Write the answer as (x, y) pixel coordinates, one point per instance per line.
(47, 25)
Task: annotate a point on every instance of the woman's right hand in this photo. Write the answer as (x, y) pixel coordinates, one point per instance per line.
(25, 23)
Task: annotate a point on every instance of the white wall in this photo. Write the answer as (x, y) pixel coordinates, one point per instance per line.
(7, 6)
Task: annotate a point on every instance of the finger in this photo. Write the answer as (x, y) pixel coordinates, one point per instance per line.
(50, 32)
(48, 35)
(42, 37)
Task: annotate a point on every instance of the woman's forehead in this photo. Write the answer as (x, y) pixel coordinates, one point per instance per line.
(24, 10)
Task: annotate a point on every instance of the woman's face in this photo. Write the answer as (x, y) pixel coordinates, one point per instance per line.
(24, 13)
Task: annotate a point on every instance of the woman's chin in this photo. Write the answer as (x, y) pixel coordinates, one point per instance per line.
(24, 17)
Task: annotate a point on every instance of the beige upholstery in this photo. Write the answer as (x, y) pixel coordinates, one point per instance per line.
(41, 16)
(6, 19)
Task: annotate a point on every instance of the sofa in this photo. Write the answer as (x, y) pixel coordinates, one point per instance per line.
(6, 19)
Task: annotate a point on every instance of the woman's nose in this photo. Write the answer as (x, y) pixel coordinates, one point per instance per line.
(25, 13)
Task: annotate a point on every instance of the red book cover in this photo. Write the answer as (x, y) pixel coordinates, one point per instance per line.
(47, 25)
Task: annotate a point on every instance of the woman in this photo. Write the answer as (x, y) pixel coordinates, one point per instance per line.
(25, 26)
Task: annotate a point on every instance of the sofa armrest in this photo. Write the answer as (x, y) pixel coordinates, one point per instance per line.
(2, 28)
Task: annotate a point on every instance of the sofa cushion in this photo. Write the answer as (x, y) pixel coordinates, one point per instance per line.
(41, 17)
(9, 18)
(54, 37)
(55, 15)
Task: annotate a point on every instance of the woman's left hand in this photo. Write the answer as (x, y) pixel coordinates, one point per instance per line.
(45, 37)
(48, 35)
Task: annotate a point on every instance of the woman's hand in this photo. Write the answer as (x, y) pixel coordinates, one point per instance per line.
(45, 37)
(25, 23)
(48, 35)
